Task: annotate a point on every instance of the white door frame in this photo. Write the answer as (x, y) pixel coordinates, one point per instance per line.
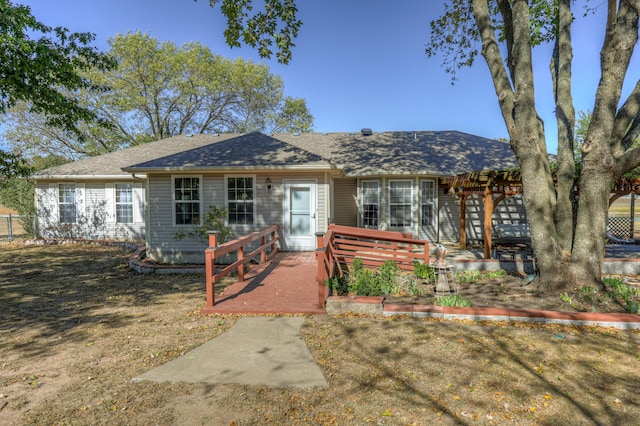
(306, 242)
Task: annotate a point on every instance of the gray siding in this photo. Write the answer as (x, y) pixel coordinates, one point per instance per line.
(95, 212)
(345, 202)
(162, 244)
(448, 218)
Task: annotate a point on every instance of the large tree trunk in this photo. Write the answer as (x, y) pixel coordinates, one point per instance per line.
(564, 258)
(588, 249)
(565, 118)
(526, 132)
(603, 150)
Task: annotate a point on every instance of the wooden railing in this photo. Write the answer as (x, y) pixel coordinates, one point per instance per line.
(341, 244)
(268, 238)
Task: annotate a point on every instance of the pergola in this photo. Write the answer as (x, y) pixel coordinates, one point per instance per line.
(495, 186)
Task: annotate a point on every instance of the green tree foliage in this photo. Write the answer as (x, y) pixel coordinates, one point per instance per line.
(18, 193)
(12, 165)
(40, 65)
(160, 90)
(271, 27)
(293, 116)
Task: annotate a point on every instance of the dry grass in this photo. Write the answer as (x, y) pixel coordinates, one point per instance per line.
(77, 325)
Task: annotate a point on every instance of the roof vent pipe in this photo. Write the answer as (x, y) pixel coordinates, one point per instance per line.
(366, 132)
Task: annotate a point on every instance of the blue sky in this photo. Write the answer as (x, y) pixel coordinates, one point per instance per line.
(357, 63)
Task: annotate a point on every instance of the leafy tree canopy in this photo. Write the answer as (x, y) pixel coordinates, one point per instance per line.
(19, 194)
(40, 65)
(158, 90)
(39, 70)
(273, 26)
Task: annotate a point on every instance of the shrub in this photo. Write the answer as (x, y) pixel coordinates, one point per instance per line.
(618, 289)
(407, 284)
(338, 285)
(423, 270)
(387, 280)
(453, 300)
(214, 220)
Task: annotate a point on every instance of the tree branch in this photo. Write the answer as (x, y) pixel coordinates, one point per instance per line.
(623, 129)
(615, 56)
(491, 53)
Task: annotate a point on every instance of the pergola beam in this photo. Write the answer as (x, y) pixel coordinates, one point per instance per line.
(504, 183)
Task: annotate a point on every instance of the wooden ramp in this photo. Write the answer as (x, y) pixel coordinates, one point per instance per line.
(285, 285)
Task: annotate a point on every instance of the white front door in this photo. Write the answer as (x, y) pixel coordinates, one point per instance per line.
(299, 215)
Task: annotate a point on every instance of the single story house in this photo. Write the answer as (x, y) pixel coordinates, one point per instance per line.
(302, 181)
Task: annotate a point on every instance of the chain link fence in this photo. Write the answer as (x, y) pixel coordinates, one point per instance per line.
(11, 227)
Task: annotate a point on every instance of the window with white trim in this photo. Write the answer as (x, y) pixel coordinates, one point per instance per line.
(400, 196)
(240, 200)
(370, 203)
(427, 202)
(187, 200)
(67, 210)
(124, 203)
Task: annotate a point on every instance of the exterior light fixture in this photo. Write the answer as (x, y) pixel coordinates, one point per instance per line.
(268, 182)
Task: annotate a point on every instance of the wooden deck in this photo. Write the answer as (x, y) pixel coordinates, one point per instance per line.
(285, 285)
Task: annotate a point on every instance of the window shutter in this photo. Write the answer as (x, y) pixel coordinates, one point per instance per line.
(110, 197)
(49, 207)
(138, 203)
(80, 200)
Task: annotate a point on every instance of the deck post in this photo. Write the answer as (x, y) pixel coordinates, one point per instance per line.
(210, 285)
(210, 278)
(241, 266)
(274, 237)
(213, 238)
(263, 252)
(321, 264)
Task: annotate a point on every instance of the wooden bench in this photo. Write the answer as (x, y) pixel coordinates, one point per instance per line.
(511, 238)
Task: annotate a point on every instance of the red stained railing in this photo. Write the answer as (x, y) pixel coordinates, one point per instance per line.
(268, 238)
(341, 244)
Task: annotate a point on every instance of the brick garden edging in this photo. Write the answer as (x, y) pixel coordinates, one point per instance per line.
(369, 305)
(375, 306)
(137, 263)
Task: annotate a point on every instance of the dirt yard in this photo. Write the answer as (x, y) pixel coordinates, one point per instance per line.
(76, 326)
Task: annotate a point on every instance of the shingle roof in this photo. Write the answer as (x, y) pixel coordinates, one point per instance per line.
(253, 150)
(111, 164)
(441, 153)
(437, 153)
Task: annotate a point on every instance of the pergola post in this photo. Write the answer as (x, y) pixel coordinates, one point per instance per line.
(463, 221)
(488, 213)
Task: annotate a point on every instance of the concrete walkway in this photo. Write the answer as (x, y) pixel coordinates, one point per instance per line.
(255, 351)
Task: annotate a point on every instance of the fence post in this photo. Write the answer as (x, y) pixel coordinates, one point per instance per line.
(263, 252)
(10, 227)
